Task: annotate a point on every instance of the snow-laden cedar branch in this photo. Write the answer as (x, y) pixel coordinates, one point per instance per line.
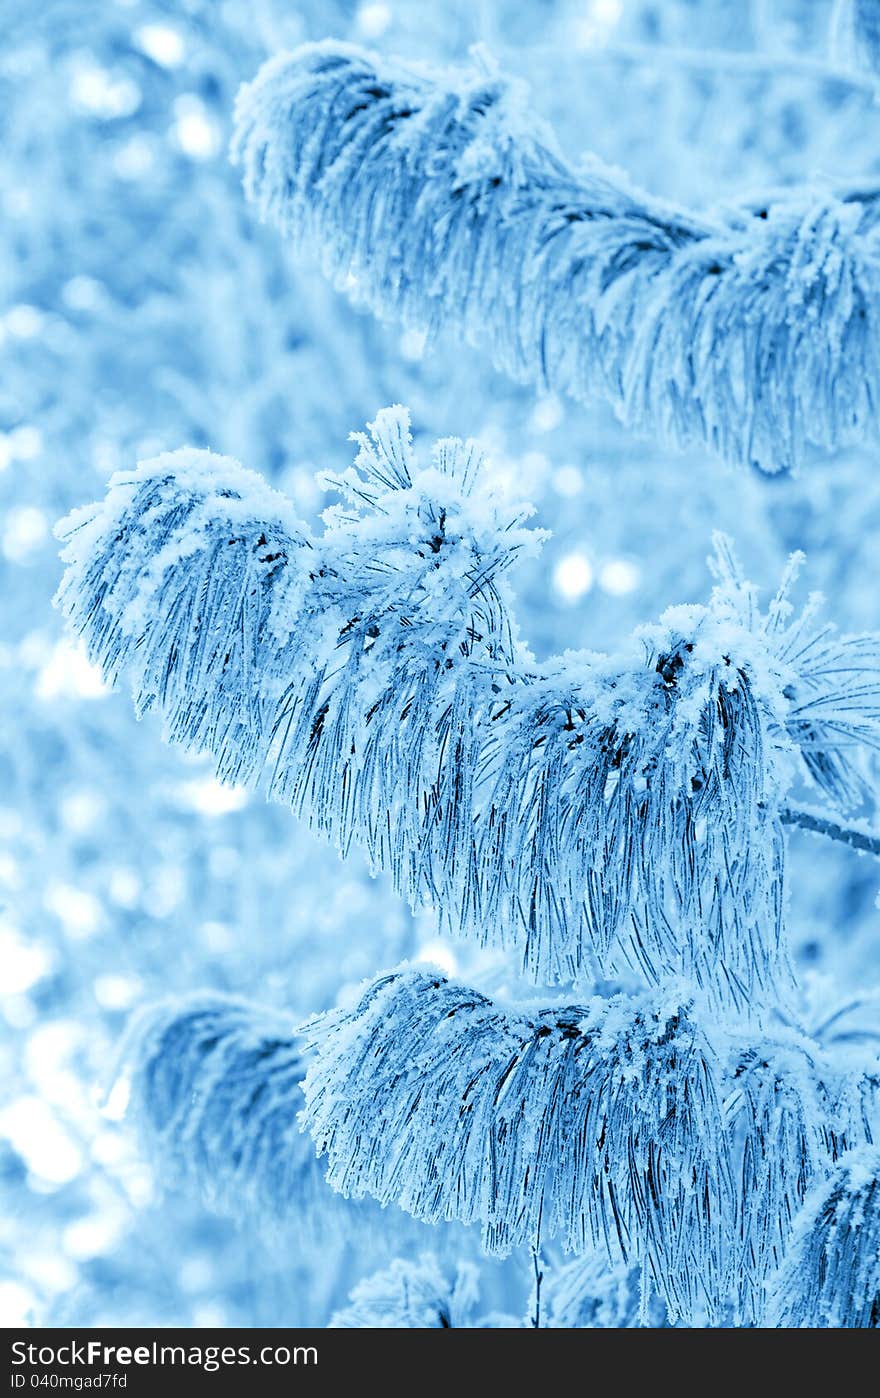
(831, 1275)
(215, 1089)
(447, 202)
(599, 1124)
(588, 811)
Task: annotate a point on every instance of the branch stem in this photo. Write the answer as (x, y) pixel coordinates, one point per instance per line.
(866, 841)
(538, 1265)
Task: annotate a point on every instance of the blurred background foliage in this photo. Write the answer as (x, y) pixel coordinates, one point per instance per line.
(143, 307)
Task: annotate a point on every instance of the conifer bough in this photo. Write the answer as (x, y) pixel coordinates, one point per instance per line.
(445, 203)
(627, 1125)
(831, 1275)
(590, 814)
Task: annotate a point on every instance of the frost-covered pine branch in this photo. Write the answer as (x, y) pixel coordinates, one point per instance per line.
(444, 201)
(591, 1293)
(598, 1124)
(589, 812)
(413, 1296)
(792, 1108)
(831, 1276)
(620, 1125)
(626, 1125)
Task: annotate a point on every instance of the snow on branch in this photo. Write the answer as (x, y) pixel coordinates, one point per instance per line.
(597, 1124)
(831, 1276)
(443, 201)
(864, 839)
(172, 581)
(589, 812)
(215, 1092)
